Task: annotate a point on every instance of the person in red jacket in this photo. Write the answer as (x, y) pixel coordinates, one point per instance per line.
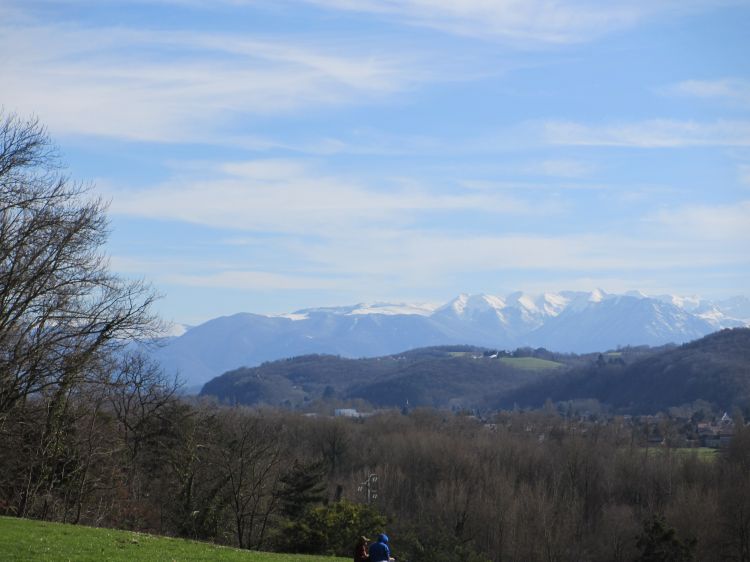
(360, 551)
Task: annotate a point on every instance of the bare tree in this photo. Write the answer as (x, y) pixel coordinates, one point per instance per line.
(138, 392)
(62, 311)
(60, 306)
(249, 458)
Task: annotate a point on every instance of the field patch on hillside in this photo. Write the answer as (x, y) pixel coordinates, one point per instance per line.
(531, 363)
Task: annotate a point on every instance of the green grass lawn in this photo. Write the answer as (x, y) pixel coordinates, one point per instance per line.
(530, 363)
(24, 539)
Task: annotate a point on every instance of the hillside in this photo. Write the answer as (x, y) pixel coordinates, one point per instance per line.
(24, 540)
(715, 368)
(641, 379)
(436, 376)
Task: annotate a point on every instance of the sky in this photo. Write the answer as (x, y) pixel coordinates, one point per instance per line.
(272, 155)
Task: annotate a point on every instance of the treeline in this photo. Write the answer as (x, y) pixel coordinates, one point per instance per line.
(529, 486)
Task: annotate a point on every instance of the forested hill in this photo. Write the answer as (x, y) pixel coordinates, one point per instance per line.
(715, 368)
(435, 376)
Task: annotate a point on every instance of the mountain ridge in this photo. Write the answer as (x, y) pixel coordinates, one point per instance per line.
(567, 321)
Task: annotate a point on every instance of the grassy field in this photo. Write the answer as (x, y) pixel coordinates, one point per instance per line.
(23, 539)
(530, 363)
(527, 363)
(703, 453)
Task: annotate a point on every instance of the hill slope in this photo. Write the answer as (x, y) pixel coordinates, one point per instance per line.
(23, 540)
(715, 368)
(439, 377)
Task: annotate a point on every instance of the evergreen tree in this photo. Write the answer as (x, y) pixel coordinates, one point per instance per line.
(303, 486)
(659, 543)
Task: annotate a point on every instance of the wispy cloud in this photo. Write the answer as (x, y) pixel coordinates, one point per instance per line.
(414, 260)
(294, 196)
(733, 90)
(656, 133)
(522, 22)
(364, 262)
(728, 224)
(137, 84)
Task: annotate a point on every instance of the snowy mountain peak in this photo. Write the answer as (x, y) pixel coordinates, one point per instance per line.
(465, 304)
(553, 303)
(522, 300)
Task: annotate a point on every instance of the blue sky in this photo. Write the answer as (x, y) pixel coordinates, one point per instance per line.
(267, 156)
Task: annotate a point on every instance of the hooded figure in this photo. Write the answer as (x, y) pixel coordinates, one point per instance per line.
(379, 551)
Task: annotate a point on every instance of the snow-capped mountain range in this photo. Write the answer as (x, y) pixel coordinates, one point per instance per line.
(565, 321)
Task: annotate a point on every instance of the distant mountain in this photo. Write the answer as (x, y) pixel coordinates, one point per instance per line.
(566, 322)
(619, 320)
(715, 368)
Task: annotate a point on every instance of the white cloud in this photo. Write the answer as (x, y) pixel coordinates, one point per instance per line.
(733, 90)
(727, 224)
(656, 133)
(138, 84)
(364, 261)
(419, 258)
(522, 22)
(293, 196)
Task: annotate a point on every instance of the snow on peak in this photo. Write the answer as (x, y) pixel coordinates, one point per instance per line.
(294, 316)
(552, 303)
(465, 304)
(533, 309)
(597, 295)
(689, 303)
(385, 308)
(391, 309)
(523, 301)
(457, 305)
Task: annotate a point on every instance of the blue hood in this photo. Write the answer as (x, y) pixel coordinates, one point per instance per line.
(382, 537)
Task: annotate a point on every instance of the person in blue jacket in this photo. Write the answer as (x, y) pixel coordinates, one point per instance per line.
(379, 551)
